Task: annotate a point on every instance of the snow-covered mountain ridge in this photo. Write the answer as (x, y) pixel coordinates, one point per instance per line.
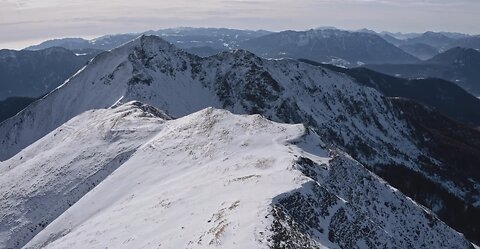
(155, 72)
(211, 179)
(345, 114)
(41, 182)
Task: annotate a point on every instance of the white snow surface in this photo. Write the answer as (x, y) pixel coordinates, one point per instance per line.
(202, 181)
(128, 177)
(46, 178)
(157, 73)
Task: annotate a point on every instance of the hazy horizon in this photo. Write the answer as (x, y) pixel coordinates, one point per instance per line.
(28, 22)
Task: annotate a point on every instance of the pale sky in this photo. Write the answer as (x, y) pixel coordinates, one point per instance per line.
(26, 22)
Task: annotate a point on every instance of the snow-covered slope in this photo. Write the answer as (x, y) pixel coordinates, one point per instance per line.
(40, 183)
(105, 81)
(155, 72)
(211, 179)
(345, 114)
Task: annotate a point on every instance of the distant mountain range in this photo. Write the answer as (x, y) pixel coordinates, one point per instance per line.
(216, 39)
(459, 65)
(339, 47)
(436, 40)
(34, 73)
(13, 105)
(472, 42)
(328, 46)
(425, 46)
(420, 50)
(102, 43)
(406, 36)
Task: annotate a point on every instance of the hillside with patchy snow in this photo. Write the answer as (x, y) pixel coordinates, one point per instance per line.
(128, 177)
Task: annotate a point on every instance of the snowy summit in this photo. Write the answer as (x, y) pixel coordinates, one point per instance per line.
(149, 146)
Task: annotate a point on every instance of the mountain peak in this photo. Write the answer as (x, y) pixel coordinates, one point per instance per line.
(238, 54)
(147, 110)
(148, 43)
(152, 39)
